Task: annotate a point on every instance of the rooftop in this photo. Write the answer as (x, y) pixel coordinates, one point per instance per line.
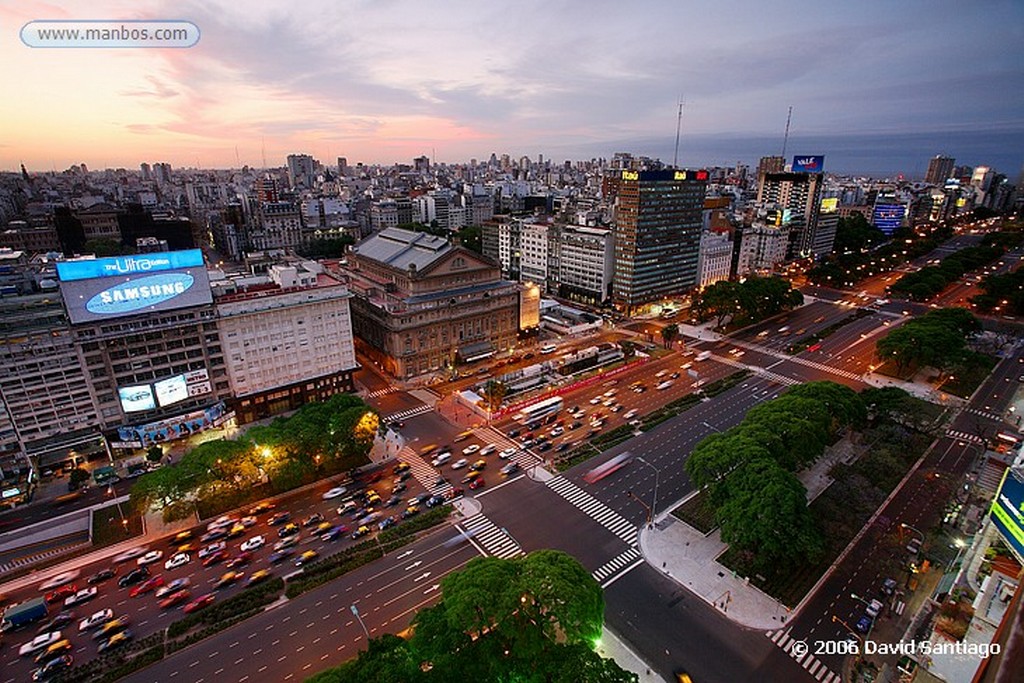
(403, 249)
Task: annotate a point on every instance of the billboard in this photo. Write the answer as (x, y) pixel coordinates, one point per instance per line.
(888, 217)
(136, 398)
(133, 285)
(808, 164)
(173, 428)
(829, 205)
(1006, 513)
(171, 390)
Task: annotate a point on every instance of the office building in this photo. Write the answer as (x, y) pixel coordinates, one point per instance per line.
(301, 171)
(798, 196)
(586, 264)
(940, 168)
(715, 261)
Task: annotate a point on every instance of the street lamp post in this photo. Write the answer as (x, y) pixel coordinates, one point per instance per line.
(355, 611)
(654, 501)
(712, 427)
(866, 604)
(910, 528)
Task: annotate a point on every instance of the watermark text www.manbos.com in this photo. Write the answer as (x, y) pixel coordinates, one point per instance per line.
(109, 33)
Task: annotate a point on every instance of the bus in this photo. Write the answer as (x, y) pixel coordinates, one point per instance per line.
(613, 465)
(540, 410)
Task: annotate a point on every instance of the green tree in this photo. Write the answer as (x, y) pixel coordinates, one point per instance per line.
(78, 476)
(628, 349)
(855, 234)
(716, 456)
(668, 334)
(387, 658)
(494, 394)
(104, 247)
(155, 453)
(471, 238)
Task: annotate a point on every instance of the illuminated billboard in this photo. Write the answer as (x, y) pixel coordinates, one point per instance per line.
(829, 205)
(1006, 512)
(136, 398)
(100, 289)
(144, 435)
(171, 390)
(808, 164)
(888, 217)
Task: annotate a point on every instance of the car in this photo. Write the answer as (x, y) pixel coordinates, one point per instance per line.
(286, 543)
(526, 443)
(469, 477)
(674, 375)
(459, 464)
(61, 593)
(507, 453)
(102, 575)
(313, 519)
(227, 579)
(173, 587)
(453, 493)
(615, 408)
(630, 415)
(254, 543)
(373, 500)
(511, 467)
(215, 558)
(488, 449)
(564, 446)
(147, 586)
(130, 554)
(401, 467)
(394, 500)
(53, 668)
(279, 518)
(410, 511)
(664, 385)
(288, 530)
(174, 599)
(334, 533)
(280, 555)
(59, 580)
(239, 560)
(58, 622)
(189, 547)
(420, 499)
(914, 547)
(211, 549)
(874, 608)
(369, 519)
(260, 508)
(84, 595)
(222, 522)
(150, 557)
(362, 531)
(478, 465)
(110, 628)
(214, 535)
(248, 521)
(336, 492)
(199, 603)
(115, 641)
(350, 506)
(661, 373)
(237, 530)
(133, 577)
(441, 459)
(434, 501)
(889, 586)
(557, 431)
(608, 403)
(594, 401)
(96, 619)
(575, 424)
(183, 536)
(470, 450)
(863, 624)
(258, 576)
(40, 642)
(513, 434)
(58, 649)
(306, 557)
(178, 560)
(476, 483)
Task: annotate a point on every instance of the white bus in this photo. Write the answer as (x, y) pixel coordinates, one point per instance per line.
(540, 411)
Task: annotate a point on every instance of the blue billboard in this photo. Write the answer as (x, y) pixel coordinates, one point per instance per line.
(87, 269)
(1006, 512)
(888, 217)
(808, 164)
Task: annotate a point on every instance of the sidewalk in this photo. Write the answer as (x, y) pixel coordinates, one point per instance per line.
(688, 557)
(616, 648)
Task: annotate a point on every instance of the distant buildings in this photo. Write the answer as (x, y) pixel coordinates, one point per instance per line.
(940, 168)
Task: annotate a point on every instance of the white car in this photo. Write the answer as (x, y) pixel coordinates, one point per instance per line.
(441, 459)
(470, 450)
(507, 453)
(594, 401)
(84, 595)
(254, 543)
(629, 416)
(664, 385)
(610, 393)
(248, 521)
(59, 580)
(177, 561)
(488, 449)
(173, 587)
(224, 522)
(211, 549)
(150, 557)
(98, 618)
(557, 431)
(459, 464)
(131, 554)
(336, 492)
(39, 642)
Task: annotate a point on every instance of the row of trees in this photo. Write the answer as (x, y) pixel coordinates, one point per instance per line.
(533, 618)
(745, 302)
(937, 339)
(929, 281)
(748, 472)
(1003, 294)
(319, 438)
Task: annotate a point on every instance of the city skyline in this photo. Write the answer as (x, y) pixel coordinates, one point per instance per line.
(877, 89)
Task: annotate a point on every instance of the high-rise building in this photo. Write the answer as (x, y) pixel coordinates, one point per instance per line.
(658, 217)
(342, 166)
(939, 169)
(798, 196)
(770, 165)
(715, 258)
(301, 171)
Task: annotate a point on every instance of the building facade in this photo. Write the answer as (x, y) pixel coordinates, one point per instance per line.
(715, 258)
(586, 264)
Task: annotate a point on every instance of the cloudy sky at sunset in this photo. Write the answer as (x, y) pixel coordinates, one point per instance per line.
(382, 81)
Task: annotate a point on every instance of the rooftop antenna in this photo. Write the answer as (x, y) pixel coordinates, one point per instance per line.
(679, 124)
(785, 139)
(238, 160)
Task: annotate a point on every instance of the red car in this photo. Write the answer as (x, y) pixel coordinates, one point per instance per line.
(150, 585)
(175, 599)
(239, 560)
(214, 558)
(477, 483)
(199, 603)
(65, 591)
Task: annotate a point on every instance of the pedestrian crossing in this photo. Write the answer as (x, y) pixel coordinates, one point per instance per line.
(631, 556)
(523, 456)
(424, 472)
(597, 510)
(985, 414)
(785, 356)
(899, 607)
(798, 650)
(406, 414)
(382, 392)
(495, 541)
(964, 436)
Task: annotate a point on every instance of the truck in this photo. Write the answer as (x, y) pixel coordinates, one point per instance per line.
(23, 614)
(703, 355)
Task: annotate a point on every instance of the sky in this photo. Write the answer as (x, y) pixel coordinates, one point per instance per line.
(877, 86)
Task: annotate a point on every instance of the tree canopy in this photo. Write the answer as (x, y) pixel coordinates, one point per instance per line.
(937, 339)
(745, 302)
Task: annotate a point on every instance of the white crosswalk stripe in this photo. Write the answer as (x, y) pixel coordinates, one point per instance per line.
(405, 414)
(761, 372)
(495, 541)
(597, 510)
(382, 392)
(523, 456)
(899, 607)
(423, 471)
(964, 436)
(616, 563)
(985, 414)
(779, 354)
(814, 666)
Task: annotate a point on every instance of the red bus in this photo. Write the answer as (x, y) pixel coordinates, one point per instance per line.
(602, 471)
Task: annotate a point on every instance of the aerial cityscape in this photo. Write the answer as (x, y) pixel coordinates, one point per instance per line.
(459, 341)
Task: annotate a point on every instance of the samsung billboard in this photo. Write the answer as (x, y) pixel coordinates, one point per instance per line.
(100, 289)
(808, 164)
(1007, 515)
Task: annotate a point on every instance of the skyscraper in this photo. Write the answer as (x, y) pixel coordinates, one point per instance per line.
(939, 169)
(301, 170)
(658, 217)
(798, 197)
